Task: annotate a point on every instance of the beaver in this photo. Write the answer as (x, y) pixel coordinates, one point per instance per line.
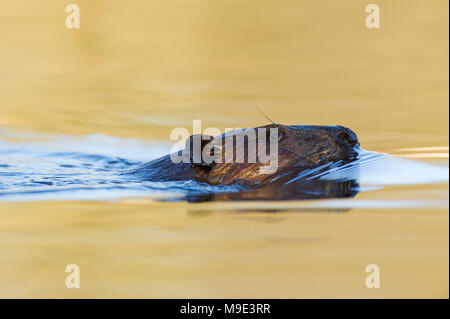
(299, 148)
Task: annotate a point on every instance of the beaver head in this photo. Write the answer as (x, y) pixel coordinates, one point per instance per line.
(291, 149)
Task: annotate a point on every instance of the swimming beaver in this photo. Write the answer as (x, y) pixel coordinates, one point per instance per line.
(299, 148)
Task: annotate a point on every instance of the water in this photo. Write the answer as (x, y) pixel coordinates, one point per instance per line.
(99, 167)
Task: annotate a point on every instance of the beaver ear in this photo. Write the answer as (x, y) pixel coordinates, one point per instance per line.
(195, 144)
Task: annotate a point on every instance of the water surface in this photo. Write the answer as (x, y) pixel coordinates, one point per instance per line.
(78, 106)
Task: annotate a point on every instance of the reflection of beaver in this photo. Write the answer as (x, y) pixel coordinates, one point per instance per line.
(300, 148)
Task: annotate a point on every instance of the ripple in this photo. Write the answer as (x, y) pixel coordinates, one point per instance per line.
(97, 166)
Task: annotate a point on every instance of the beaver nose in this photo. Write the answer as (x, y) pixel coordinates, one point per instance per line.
(347, 136)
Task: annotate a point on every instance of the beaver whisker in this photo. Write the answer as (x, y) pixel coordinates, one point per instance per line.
(264, 114)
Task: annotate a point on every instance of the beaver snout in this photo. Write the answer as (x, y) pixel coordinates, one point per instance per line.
(345, 136)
